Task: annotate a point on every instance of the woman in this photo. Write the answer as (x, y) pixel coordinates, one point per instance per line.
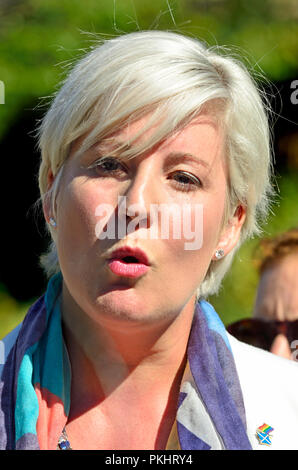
(152, 140)
(274, 326)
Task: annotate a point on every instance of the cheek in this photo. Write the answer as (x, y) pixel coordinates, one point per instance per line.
(206, 223)
(192, 253)
(214, 210)
(213, 218)
(76, 213)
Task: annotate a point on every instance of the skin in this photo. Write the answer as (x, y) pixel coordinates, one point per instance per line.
(277, 298)
(126, 337)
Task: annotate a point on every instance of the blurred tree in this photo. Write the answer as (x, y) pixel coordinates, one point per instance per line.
(36, 35)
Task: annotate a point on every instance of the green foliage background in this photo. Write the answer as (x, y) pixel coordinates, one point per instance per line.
(39, 39)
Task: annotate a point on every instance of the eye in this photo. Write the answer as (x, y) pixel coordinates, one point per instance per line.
(108, 166)
(186, 181)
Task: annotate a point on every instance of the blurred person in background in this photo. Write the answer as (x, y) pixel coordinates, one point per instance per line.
(274, 325)
(122, 351)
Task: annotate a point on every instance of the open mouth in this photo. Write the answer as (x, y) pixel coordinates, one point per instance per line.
(130, 255)
(130, 259)
(128, 262)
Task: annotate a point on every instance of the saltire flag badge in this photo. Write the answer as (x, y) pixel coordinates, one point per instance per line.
(263, 434)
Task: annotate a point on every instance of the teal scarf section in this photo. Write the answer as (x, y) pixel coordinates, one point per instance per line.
(46, 364)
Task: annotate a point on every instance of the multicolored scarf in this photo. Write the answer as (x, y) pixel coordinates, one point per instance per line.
(36, 379)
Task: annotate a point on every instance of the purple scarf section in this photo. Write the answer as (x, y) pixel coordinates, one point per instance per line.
(214, 372)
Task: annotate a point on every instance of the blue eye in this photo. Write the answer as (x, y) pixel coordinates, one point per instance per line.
(186, 181)
(108, 166)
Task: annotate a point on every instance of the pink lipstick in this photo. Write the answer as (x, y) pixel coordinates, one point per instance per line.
(128, 262)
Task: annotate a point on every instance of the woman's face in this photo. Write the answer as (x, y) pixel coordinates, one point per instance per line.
(186, 172)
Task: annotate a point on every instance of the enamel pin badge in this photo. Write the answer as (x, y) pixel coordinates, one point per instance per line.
(263, 434)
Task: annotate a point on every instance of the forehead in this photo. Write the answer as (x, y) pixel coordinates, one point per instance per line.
(278, 288)
(202, 136)
(142, 129)
(280, 276)
(283, 266)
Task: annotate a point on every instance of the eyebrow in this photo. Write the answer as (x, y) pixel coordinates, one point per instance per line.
(111, 143)
(171, 159)
(178, 157)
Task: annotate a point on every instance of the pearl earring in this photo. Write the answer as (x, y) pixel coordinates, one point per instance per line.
(219, 253)
(53, 222)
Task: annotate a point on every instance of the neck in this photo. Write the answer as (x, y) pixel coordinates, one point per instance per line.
(106, 356)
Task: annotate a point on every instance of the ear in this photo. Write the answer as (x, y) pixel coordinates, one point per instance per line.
(47, 201)
(231, 232)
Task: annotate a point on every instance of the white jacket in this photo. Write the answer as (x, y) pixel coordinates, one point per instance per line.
(269, 386)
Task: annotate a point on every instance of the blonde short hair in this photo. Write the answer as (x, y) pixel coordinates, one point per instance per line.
(174, 76)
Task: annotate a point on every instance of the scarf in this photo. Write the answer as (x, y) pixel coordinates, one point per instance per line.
(36, 381)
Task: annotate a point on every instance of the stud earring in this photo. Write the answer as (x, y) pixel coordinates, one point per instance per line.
(219, 253)
(53, 222)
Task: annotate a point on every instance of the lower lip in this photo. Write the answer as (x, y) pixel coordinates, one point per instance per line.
(120, 268)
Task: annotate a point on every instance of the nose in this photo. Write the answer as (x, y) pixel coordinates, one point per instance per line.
(280, 346)
(142, 193)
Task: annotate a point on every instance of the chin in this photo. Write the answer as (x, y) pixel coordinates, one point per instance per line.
(126, 307)
(123, 305)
